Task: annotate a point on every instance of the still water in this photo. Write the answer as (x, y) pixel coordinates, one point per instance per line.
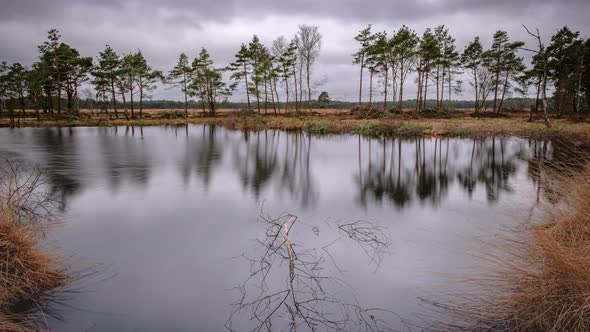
(193, 228)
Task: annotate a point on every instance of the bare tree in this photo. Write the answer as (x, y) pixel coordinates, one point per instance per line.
(542, 54)
(23, 195)
(309, 44)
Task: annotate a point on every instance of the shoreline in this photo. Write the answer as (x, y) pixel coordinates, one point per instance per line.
(404, 124)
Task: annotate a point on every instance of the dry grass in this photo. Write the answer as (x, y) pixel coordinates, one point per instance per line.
(30, 277)
(538, 278)
(458, 123)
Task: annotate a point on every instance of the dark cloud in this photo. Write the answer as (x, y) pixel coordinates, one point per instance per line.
(163, 29)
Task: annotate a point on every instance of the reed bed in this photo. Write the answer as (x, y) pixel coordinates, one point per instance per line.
(536, 277)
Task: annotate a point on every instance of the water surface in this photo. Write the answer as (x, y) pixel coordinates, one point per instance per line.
(172, 214)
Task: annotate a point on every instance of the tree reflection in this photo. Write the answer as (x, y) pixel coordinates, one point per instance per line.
(202, 155)
(547, 158)
(419, 169)
(125, 158)
(263, 156)
(61, 162)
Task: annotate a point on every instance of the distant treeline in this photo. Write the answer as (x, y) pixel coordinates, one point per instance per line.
(510, 103)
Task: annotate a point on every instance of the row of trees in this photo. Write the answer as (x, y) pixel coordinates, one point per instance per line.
(61, 72)
(261, 71)
(281, 74)
(494, 74)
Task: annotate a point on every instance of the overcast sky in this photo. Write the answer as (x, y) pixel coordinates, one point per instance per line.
(164, 29)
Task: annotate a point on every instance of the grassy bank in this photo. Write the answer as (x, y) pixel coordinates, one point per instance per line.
(31, 274)
(457, 123)
(535, 277)
(31, 277)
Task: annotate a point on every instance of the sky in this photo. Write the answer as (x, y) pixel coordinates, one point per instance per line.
(164, 29)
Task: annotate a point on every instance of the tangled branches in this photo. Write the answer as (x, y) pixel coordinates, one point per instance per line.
(289, 287)
(23, 198)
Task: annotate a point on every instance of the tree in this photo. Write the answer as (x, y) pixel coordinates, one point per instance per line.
(107, 72)
(310, 42)
(364, 38)
(565, 61)
(256, 51)
(500, 60)
(128, 80)
(542, 55)
(50, 55)
(447, 61)
(405, 42)
(286, 58)
(35, 84)
(241, 68)
(428, 53)
(534, 75)
(180, 76)
(471, 60)
(3, 86)
(147, 79)
(207, 82)
(380, 58)
(74, 70)
(323, 99)
(17, 84)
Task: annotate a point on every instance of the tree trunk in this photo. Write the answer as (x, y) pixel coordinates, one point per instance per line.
(419, 91)
(437, 85)
(385, 90)
(278, 103)
(425, 97)
(505, 87)
(114, 98)
(544, 90)
(265, 95)
(300, 86)
(476, 90)
(295, 83)
(287, 91)
(308, 77)
(401, 85)
(185, 96)
(371, 90)
(140, 100)
(361, 79)
(442, 88)
(247, 92)
(131, 98)
(497, 83)
(537, 100)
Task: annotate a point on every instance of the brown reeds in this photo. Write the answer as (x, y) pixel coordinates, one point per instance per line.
(31, 275)
(536, 278)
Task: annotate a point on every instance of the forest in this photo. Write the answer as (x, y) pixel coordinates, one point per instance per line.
(278, 78)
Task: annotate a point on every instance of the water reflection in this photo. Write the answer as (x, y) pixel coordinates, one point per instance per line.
(125, 158)
(202, 154)
(422, 169)
(267, 163)
(168, 208)
(296, 284)
(271, 156)
(59, 150)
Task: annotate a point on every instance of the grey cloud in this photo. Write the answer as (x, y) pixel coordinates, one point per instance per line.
(163, 29)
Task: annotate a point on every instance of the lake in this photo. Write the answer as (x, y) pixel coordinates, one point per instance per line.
(201, 228)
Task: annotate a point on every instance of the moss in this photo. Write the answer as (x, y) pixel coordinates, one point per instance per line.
(322, 128)
(412, 129)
